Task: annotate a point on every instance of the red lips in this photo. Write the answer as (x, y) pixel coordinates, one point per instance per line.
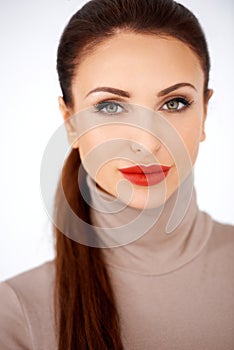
(145, 175)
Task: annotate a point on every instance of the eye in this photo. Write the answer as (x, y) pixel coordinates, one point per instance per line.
(110, 107)
(176, 104)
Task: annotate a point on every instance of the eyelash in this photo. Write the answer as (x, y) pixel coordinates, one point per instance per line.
(103, 104)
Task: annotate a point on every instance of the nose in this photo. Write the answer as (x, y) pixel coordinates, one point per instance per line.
(144, 132)
(144, 141)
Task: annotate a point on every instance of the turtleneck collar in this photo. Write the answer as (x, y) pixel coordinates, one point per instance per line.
(136, 240)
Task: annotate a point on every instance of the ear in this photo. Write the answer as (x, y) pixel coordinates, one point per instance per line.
(71, 130)
(209, 93)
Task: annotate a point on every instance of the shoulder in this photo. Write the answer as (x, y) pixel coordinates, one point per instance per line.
(26, 307)
(222, 239)
(33, 285)
(28, 281)
(223, 231)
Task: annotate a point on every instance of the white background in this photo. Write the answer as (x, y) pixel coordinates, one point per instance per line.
(30, 32)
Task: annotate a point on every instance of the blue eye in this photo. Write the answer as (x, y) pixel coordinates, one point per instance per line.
(176, 104)
(110, 107)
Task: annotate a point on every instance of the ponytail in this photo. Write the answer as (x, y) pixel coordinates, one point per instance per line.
(85, 311)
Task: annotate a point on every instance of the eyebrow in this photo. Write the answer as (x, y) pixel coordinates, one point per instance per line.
(173, 88)
(126, 94)
(111, 90)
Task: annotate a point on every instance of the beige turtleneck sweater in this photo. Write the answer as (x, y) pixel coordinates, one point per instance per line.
(174, 291)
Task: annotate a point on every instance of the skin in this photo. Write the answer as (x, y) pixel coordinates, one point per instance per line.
(143, 65)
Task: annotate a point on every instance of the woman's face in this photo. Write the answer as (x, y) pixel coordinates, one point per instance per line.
(162, 86)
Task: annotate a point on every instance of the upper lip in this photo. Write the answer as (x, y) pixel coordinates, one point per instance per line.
(143, 169)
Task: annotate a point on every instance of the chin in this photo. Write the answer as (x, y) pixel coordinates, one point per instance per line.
(147, 198)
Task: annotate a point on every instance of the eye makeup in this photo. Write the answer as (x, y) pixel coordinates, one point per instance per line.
(99, 107)
(172, 104)
(176, 102)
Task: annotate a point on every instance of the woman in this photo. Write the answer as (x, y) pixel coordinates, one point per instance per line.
(134, 76)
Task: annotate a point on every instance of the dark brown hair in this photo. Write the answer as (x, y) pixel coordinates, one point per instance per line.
(85, 306)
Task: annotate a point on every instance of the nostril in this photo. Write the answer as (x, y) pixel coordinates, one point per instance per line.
(136, 147)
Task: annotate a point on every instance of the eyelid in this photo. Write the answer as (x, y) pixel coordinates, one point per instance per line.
(116, 101)
(174, 96)
(179, 98)
(176, 99)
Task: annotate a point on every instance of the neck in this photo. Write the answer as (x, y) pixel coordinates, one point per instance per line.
(149, 241)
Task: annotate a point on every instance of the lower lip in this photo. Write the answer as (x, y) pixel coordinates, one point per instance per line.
(146, 179)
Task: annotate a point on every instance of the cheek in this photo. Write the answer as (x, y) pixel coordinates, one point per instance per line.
(89, 141)
(192, 145)
(191, 134)
(97, 151)
(101, 138)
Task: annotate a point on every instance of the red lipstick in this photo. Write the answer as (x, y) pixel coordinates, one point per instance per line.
(145, 175)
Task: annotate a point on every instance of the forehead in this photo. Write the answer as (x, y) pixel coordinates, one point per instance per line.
(139, 59)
